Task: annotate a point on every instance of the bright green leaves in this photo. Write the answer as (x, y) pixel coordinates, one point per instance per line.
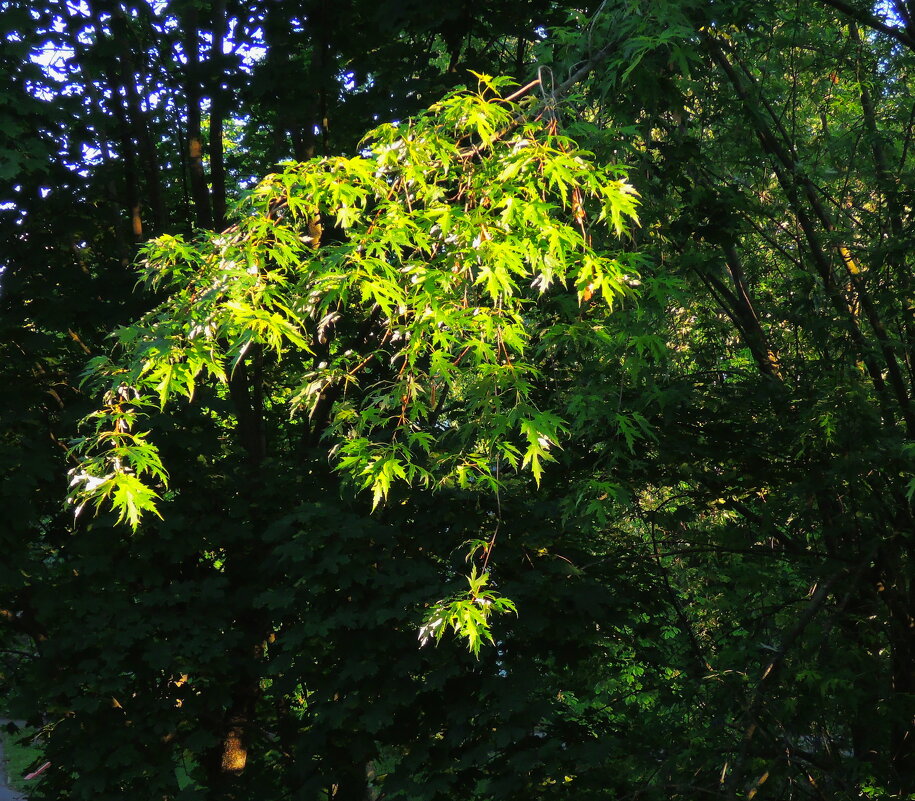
(117, 466)
(480, 115)
(396, 293)
(467, 614)
(130, 498)
(541, 432)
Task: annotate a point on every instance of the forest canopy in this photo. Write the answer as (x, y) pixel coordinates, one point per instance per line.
(420, 401)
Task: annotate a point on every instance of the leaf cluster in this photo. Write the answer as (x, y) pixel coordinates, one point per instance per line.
(399, 286)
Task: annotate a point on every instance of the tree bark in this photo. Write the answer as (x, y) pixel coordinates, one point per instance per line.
(217, 117)
(138, 119)
(193, 98)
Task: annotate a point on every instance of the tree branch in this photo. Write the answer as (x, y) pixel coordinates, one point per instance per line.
(871, 21)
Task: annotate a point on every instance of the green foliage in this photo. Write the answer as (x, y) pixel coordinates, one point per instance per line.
(445, 232)
(467, 615)
(702, 495)
(116, 460)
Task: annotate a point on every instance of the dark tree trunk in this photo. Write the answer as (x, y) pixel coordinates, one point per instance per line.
(138, 119)
(217, 117)
(193, 97)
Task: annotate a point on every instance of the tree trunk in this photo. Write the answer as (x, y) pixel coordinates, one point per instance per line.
(193, 97)
(138, 119)
(217, 117)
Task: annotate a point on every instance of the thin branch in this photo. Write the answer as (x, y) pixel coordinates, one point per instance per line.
(819, 593)
(871, 21)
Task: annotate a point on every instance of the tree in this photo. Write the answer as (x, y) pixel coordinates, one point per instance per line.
(786, 431)
(711, 577)
(403, 336)
(101, 705)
